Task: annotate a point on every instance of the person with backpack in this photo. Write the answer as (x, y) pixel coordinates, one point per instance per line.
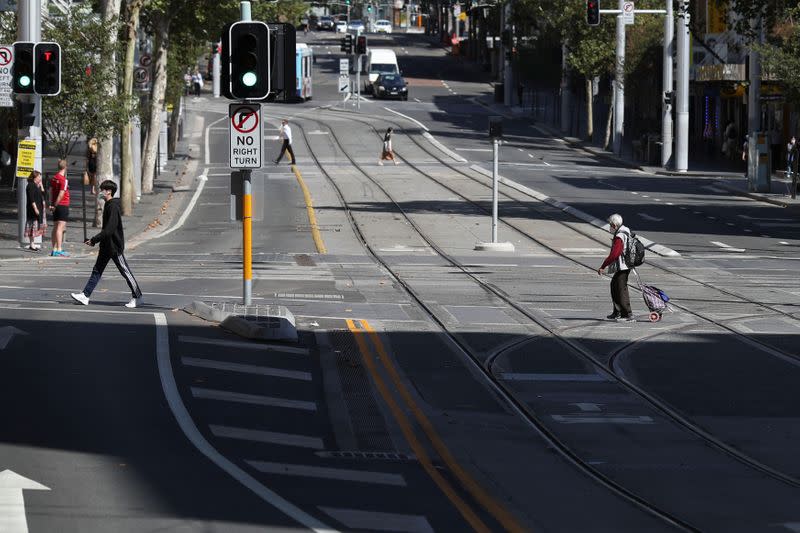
(618, 266)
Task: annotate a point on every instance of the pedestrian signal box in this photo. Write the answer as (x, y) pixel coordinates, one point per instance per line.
(347, 44)
(593, 12)
(47, 68)
(22, 69)
(361, 44)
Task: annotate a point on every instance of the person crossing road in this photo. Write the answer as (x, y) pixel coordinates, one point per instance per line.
(285, 135)
(616, 266)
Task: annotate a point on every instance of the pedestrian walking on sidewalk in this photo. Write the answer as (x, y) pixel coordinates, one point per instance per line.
(59, 205)
(35, 221)
(285, 136)
(791, 154)
(197, 78)
(387, 152)
(616, 266)
(112, 246)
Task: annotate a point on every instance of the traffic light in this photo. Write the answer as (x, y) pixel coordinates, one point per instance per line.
(26, 114)
(22, 70)
(347, 44)
(361, 44)
(369, 8)
(248, 60)
(47, 69)
(593, 12)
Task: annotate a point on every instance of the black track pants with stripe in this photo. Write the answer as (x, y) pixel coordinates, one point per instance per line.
(122, 266)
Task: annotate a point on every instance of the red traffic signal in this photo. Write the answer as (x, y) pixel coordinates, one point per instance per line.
(361, 44)
(593, 12)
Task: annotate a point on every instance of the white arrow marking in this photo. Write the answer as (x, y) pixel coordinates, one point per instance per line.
(649, 217)
(6, 334)
(768, 219)
(12, 504)
(727, 247)
(318, 132)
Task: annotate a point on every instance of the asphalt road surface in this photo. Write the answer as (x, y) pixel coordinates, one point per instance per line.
(433, 387)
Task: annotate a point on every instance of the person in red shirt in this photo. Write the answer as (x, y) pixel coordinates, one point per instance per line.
(617, 266)
(59, 205)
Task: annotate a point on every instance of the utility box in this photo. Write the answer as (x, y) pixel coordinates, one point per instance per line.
(758, 162)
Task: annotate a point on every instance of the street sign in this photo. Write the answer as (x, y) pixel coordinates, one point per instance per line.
(627, 13)
(26, 157)
(344, 66)
(6, 62)
(145, 60)
(245, 135)
(456, 10)
(344, 84)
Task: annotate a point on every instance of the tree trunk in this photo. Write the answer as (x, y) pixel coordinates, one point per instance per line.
(105, 150)
(126, 180)
(589, 110)
(610, 117)
(156, 104)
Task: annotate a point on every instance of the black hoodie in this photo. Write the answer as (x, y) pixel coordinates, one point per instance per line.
(111, 238)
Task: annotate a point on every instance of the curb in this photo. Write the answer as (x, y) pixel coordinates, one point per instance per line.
(752, 195)
(270, 322)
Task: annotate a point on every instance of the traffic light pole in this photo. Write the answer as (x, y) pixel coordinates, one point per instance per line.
(619, 83)
(29, 29)
(682, 89)
(666, 114)
(247, 211)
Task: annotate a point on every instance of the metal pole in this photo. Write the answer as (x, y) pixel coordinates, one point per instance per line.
(619, 81)
(358, 82)
(508, 74)
(666, 115)
(682, 90)
(29, 28)
(247, 238)
(754, 91)
(564, 90)
(495, 158)
(216, 70)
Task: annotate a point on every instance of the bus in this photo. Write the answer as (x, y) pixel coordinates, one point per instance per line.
(303, 66)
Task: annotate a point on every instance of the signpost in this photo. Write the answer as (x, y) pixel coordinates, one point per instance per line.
(344, 84)
(245, 154)
(6, 62)
(627, 13)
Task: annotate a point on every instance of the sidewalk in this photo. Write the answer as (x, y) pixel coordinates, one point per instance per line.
(153, 211)
(726, 173)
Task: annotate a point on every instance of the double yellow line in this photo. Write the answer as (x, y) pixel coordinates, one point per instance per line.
(312, 217)
(361, 330)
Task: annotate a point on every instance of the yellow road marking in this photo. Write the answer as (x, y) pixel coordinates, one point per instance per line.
(405, 426)
(312, 217)
(479, 493)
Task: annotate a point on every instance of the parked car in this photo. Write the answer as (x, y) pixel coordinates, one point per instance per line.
(341, 26)
(326, 23)
(383, 26)
(356, 25)
(390, 86)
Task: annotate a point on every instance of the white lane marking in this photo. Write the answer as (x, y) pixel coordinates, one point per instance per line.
(546, 163)
(170, 388)
(584, 250)
(714, 189)
(473, 150)
(783, 242)
(777, 225)
(670, 203)
(251, 399)
(418, 100)
(650, 217)
(12, 501)
(375, 521)
(657, 199)
(520, 149)
(246, 369)
(379, 478)
(748, 230)
(602, 419)
(645, 196)
(588, 407)
(188, 211)
(634, 192)
(6, 334)
(768, 219)
(318, 132)
(270, 437)
(513, 376)
(208, 145)
(190, 339)
(434, 141)
(727, 247)
(730, 224)
(415, 121)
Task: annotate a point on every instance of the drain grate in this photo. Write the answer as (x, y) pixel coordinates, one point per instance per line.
(383, 456)
(304, 260)
(367, 420)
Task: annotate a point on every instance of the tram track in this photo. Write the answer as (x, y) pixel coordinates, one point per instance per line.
(499, 388)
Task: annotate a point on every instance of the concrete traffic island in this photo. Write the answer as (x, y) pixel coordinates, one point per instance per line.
(257, 322)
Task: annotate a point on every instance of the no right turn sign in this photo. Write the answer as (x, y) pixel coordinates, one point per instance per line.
(245, 135)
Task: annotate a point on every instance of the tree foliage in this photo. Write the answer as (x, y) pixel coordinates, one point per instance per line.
(780, 55)
(82, 109)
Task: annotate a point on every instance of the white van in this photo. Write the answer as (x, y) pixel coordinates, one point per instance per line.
(380, 61)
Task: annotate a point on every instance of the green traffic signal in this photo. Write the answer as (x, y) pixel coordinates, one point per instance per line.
(249, 79)
(24, 81)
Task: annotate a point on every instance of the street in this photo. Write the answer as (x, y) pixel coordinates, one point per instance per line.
(433, 387)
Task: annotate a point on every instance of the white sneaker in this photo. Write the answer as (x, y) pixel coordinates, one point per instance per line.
(135, 302)
(80, 298)
(380, 163)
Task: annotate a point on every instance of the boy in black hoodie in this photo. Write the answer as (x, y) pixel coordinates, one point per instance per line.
(112, 244)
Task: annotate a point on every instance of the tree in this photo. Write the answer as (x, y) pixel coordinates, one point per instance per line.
(82, 108)
(781, 54)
